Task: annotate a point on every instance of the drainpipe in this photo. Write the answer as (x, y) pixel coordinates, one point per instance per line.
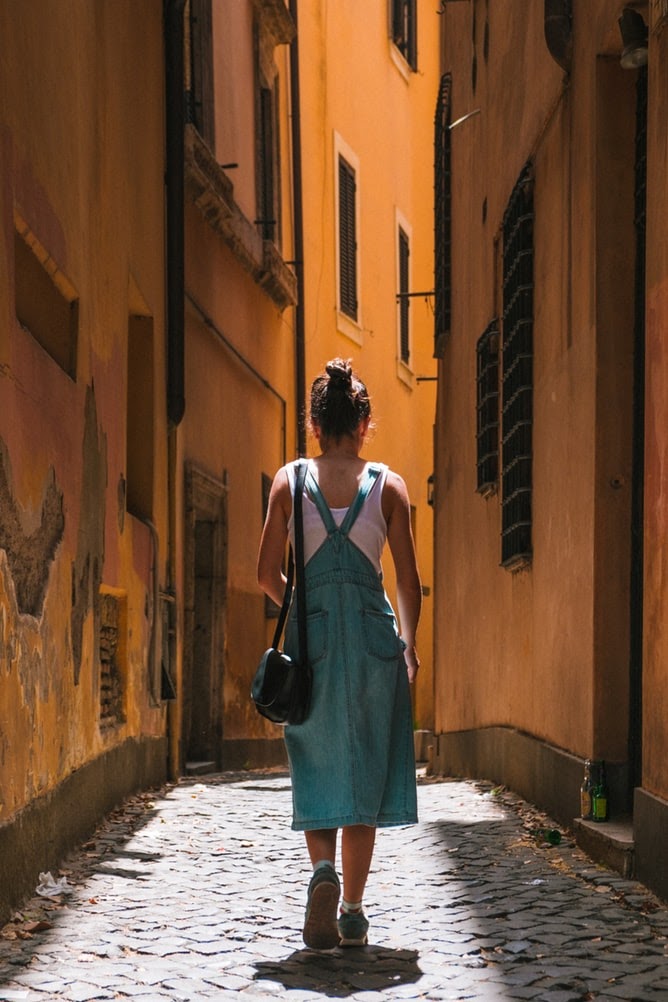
(300, 340)
(174, 42)
(558, 27)
(174, 181)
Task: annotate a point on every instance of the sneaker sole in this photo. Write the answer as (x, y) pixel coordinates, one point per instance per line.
(354, 942)
(320, 930)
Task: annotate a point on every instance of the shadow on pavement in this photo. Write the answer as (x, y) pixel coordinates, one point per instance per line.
(340, 973)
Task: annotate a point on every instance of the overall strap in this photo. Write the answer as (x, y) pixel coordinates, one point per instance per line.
(372, 473)
(296, 561)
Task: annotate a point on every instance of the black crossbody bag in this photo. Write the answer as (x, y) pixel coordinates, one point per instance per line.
(281, 688)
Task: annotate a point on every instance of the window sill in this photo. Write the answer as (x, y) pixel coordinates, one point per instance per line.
(212, 193)
(402, 65)
(348, 327)
(405, 374)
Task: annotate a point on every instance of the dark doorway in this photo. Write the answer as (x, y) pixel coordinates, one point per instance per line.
(203, 649)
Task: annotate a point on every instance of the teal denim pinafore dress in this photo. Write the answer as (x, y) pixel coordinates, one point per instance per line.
(352, 761)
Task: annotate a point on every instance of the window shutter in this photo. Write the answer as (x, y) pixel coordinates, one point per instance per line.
(404, 300)
(347, 240)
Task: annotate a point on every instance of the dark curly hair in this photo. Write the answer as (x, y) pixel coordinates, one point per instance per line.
(339, 400)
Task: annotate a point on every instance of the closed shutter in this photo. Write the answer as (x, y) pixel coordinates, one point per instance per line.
(347, 240)
(404, 300)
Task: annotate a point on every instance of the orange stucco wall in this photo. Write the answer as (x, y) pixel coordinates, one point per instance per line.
(371, 105)
(543, 650)
(82, 161)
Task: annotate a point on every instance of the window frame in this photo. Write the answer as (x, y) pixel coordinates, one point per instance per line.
(404, 235)
(442, 217)
(347, 324)
(403, 30)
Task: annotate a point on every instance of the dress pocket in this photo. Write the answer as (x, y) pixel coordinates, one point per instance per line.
(316, 636)
(381, 640)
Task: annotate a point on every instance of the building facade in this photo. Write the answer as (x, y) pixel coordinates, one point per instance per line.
(239, 423)
(550, 430)
(369, 81)
(84, 509)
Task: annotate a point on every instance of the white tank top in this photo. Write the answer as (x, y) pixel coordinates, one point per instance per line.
(369, 530)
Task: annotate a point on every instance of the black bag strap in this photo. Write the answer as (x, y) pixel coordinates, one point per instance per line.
(297, 559)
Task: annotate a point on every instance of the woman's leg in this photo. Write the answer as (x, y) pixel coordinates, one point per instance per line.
(321, 844)
(320, 928)
(357, 842)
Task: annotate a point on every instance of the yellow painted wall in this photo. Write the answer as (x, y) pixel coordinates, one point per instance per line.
(240, 414)
(360, 97)
(82, 179)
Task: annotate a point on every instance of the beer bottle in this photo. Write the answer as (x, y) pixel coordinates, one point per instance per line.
(599, 803)
(586, 793)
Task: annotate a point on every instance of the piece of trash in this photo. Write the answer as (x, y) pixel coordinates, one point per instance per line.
(40, 926)
(535, 883)
(50, 888)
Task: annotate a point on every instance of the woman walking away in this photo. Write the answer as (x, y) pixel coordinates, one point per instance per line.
(351, 762)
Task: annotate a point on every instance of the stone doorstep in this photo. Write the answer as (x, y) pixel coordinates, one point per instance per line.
(200, 768)
(608, 842)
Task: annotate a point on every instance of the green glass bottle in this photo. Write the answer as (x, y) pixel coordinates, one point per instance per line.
(599, 800)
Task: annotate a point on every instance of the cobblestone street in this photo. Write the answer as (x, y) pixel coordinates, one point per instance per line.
(197, 892)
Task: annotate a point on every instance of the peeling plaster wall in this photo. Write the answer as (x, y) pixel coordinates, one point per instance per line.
(82, 184)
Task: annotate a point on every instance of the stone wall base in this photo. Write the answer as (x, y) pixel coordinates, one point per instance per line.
(38, 837)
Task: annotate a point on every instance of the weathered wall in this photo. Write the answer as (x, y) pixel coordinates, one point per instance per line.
(240, 419)
(81, 204)
(543, 651)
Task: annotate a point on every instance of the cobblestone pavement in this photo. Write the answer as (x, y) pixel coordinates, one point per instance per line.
(197, 892)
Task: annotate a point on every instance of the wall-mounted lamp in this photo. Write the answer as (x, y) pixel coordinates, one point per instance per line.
(634, 36)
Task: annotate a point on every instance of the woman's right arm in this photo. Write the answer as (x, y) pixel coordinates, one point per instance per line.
(270, 576)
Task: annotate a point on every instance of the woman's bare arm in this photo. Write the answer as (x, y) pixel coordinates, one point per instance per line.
(396, 508)
(270, 574)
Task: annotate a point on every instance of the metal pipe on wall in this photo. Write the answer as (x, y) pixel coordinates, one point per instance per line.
(174, 209)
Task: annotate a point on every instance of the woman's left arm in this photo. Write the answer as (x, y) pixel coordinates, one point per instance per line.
(270, 576)
(397, 511)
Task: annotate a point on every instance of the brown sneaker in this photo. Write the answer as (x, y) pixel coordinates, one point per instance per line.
(320, 928)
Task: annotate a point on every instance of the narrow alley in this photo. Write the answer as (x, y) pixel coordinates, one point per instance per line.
(197, 891)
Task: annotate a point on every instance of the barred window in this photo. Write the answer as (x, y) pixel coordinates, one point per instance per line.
(200, 91)
(347, 240)
(404, 298)
(442, 216)
(487, 351)
(517, 376)
(404, 29)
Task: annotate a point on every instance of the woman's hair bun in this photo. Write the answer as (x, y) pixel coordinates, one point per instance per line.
(340, 371)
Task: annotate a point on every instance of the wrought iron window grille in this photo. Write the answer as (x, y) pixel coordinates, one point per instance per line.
(442, 217)
(487, 418)
(517, 375)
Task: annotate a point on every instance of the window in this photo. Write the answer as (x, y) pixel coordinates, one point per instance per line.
(442, 223)
(517, 376)
(404, 298)
(46, 303)
(200, 91)
(487, 434)
(269, 203)
(404, 29)
(347, 239)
